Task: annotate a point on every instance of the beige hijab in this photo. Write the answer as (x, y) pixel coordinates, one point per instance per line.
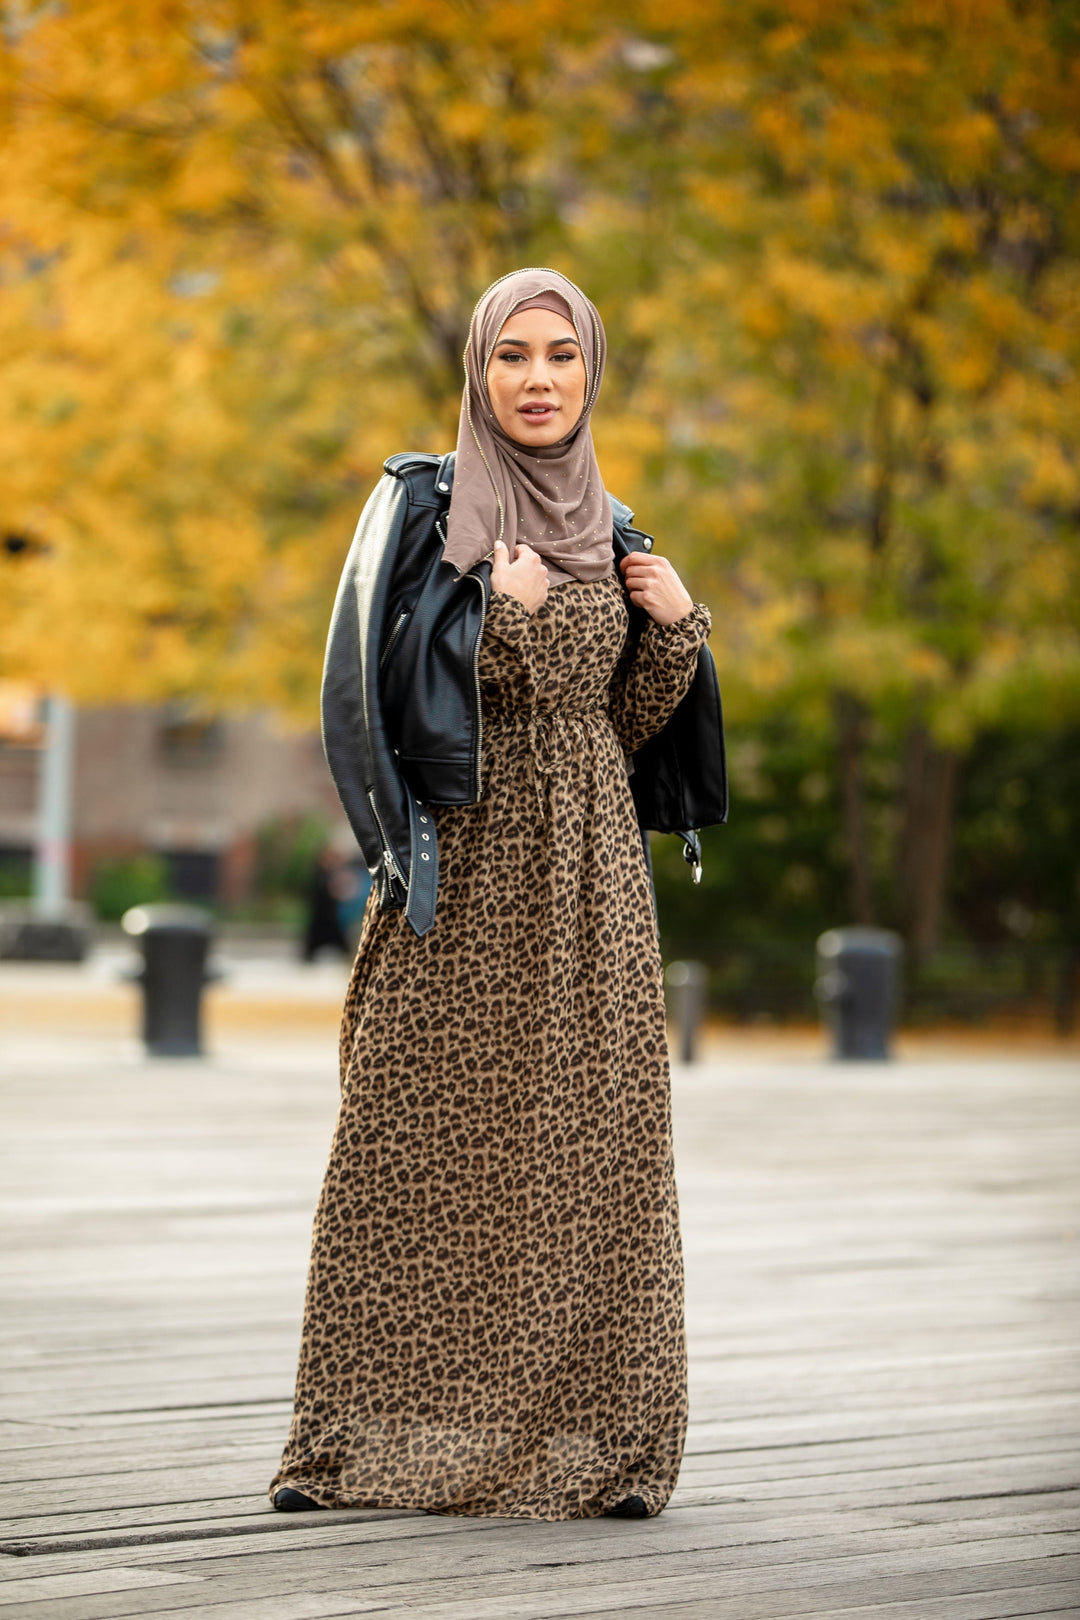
(551, 497)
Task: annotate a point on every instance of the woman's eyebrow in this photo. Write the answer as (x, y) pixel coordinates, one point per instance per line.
(556, 343)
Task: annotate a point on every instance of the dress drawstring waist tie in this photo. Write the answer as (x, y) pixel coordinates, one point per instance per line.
(550, 735)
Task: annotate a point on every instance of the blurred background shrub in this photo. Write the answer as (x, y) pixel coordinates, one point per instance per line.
(128, 880)
(15, 874)
(775, 877)
(287, 849)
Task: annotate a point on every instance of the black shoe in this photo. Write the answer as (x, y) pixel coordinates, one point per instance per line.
(631, 1507)
(286, 1500)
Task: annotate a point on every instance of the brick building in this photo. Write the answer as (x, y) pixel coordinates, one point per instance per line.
(155, 780)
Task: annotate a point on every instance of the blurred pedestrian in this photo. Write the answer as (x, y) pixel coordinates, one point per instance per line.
(350, 887)
(323, 929)
(494, 1318)
(337, 894)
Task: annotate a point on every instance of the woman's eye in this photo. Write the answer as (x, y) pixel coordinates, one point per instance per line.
(513, 357)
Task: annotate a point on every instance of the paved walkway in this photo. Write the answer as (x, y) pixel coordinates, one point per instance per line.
(882, 1276)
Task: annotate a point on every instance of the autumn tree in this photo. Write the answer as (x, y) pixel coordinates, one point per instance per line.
(875, 394)
(240, 248)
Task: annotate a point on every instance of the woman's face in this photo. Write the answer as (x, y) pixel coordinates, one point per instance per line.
(536, 377)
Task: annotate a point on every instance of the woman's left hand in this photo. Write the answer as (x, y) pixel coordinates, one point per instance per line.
(655, 586)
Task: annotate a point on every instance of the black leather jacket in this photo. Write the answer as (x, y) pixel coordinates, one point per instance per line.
(401, 698)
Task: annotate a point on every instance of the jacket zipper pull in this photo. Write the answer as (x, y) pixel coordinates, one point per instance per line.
(692, 852)
(389, 858)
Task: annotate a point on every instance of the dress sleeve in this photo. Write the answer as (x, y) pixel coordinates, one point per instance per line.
(653, 676)
(512, 649)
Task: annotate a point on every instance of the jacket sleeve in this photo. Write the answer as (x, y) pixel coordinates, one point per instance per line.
(358, 752)
(653, 676)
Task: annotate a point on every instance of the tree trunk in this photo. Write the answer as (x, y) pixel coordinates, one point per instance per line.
(852, 725)
(929, 797)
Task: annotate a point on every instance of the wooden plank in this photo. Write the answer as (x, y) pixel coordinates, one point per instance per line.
(229, 1517)
(245, 1468)
(54, 1450)
(94, 1532)
(560, 1590)
(552, 1594)
(60, 1452)
(198, 1478)
(37, 1589)
(978, 1595)
(1003, 1604)
(998, 1514)
(319, 1553)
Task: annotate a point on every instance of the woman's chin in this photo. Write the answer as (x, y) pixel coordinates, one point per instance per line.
(539, 438)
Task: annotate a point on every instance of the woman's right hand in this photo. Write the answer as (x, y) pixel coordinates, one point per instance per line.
(525, 578)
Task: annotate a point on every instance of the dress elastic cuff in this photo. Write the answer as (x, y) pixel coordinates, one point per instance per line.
(506, 618)
(693, 628)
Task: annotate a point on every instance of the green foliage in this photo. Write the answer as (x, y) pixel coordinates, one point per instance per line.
(120, 882)
(1016, 863)
(776, 872)
(287, 850)
(15, 877)
(775, 878)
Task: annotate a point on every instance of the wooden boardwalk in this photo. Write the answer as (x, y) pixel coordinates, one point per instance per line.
(883, 1271)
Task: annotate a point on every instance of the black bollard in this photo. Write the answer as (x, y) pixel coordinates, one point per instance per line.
(686, 986)
(174, 942)
(857, 988)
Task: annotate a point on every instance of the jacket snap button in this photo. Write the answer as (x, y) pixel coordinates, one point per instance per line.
(648, 545)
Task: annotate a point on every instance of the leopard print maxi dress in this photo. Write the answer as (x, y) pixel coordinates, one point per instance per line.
(494, 1313)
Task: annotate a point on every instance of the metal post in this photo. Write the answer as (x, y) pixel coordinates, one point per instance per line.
(52, 855)
(174, 941)
(857, 988)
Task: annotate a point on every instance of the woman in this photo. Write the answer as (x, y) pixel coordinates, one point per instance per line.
(494, 1319)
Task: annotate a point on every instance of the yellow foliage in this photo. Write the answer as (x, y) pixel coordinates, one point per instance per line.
(835, 247)
(1052, 477)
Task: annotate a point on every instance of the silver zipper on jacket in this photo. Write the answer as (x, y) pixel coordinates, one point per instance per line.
(476, 690)
(395, 631)
(389, 858)
(441, 532)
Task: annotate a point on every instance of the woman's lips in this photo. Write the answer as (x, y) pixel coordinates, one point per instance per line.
(536, 413)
